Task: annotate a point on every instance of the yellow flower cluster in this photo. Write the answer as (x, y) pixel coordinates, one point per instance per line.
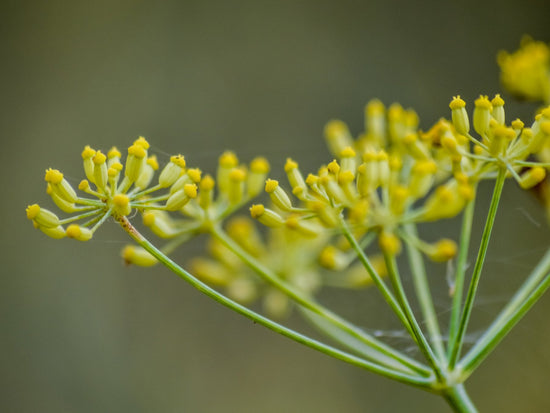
(394, 173)
(526, 72)
(212, 201)
(286, 253)
(117, 190)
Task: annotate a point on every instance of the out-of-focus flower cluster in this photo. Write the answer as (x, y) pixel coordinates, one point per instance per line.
(526, 72)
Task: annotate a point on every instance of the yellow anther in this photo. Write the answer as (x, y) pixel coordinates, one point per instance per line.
(444, 250)
(333, 167)
(84, 185)
(79, 233)
(457, 103)
(132, 254)
(113, 153)
(53, 176)
(137, 150)
(153, 162)
(312, 179)
(194, 174)
(347, 152)
(271, 185)
(141, 141)
(332, 258)
(207, 183)
(228, 160)
(290, 165)
(389, 243)
(121, 205)
(259, 165)
(88, 152)
(517, 124)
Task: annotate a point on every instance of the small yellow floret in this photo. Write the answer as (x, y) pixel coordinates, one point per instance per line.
(79, 233)
(53, 176)
(497, 100)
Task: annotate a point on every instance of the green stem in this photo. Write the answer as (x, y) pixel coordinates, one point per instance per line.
(531, 290)
(469, 303)
(421, 382)
(459, 400)
(310, 304)
(460, 273)
(417, 333)
(423, 293)
(380, 284)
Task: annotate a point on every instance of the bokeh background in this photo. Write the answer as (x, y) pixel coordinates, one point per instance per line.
(82, 333)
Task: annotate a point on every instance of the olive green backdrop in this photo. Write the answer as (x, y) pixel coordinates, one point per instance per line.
(82, 333)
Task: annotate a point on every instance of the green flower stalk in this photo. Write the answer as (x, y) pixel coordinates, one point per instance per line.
(344, 226)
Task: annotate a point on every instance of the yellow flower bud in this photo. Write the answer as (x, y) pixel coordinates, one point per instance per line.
(482, 114)
(532, 177)
(137, 255)
(78, 232)
(172, 171)
(60, 185)
(278, 195)
(459, 115)
(266, 216)
(87, 155)
(42, 216)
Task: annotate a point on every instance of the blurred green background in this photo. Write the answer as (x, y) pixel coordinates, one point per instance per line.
(82, 333)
